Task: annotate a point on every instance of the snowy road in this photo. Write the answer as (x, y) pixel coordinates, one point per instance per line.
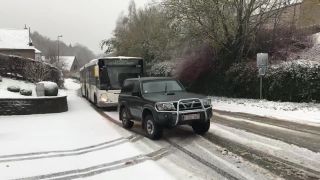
(90, 143)
(293, 133)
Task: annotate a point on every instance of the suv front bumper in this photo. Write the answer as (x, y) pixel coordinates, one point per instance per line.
(175, 118)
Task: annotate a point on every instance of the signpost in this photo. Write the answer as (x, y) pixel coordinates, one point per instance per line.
(262, 64)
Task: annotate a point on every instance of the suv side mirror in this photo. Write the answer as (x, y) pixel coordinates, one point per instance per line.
(137, 93)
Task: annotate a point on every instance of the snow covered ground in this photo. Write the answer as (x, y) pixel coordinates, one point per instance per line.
(305, 113)
(77, 143)
(71, 84)
(274, 147)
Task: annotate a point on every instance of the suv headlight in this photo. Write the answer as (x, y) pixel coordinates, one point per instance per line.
(104, 97)
(206, 102)
(165, 107)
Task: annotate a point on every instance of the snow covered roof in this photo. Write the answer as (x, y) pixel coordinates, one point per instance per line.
(14, 39)
(37, 51)
(67, 62)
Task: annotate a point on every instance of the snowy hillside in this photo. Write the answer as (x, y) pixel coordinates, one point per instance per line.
(311, 54)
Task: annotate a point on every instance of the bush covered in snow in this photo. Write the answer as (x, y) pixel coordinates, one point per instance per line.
(26, 92)
(162, 69)
(296, 81)
(50, 88)
(13, 88)
(28, 69)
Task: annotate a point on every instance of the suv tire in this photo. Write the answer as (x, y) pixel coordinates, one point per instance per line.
(126, 122)
(201, 127)
(153, 130)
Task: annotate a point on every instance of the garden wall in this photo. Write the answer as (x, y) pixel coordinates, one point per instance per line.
(25, 106)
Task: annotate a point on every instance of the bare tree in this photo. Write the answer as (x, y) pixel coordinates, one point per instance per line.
(227, 25)
(36, 71)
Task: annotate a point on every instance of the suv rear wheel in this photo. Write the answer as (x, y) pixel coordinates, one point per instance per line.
(153, 130)
(126, 123)
(201, 127)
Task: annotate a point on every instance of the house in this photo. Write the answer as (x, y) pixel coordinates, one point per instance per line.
(69, 65)
(18, 42)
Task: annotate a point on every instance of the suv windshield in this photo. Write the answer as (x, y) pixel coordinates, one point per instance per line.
(161, 86)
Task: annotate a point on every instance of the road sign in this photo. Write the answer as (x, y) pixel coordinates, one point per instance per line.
(262, 71)
(262, 64)
(262, 60)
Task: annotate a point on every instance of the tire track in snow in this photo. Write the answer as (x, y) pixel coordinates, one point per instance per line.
(307, 140)
(72, 152)
(281, 167)
(180, 148)
(102, 168)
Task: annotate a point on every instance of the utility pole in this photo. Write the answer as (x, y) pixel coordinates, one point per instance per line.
(60, 36)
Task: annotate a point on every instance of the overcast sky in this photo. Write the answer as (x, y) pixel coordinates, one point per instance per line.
(79, 21)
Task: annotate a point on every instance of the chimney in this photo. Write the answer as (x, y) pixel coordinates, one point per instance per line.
(30, 42)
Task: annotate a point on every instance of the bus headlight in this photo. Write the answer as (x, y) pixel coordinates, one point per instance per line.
(206, 102)
(165, 107)
(104, 97)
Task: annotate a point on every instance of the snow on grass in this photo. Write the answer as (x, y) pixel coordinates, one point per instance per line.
(4, 93)
(6, 82)
(305, 113)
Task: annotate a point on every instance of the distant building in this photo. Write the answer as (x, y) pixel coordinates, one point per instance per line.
(69, 65)
(18, 42)
(305, 14)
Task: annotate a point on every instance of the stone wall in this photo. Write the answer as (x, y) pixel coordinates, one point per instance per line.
(27, 106)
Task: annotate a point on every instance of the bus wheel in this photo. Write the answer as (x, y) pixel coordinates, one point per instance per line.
(95, 100)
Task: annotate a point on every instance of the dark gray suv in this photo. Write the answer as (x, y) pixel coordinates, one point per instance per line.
(162, 103)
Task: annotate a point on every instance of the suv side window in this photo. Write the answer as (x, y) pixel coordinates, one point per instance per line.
(136, 87)
(127, 87)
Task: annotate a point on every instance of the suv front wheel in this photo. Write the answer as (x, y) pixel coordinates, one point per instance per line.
(126, 122)
(153, 130)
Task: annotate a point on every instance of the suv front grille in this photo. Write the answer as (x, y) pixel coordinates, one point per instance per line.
(191, 104)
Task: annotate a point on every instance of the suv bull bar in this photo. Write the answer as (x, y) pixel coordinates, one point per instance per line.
(178, 112)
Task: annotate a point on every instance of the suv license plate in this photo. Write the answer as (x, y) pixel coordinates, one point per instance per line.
(191, 117)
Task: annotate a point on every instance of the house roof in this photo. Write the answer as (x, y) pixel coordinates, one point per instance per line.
(14, 39)
(67, 62)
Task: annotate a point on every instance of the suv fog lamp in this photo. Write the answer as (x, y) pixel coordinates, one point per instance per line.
(165, 107)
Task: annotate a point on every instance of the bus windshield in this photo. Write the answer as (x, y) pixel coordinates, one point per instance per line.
(113, 73)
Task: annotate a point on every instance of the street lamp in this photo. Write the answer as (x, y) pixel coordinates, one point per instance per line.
(60, 36)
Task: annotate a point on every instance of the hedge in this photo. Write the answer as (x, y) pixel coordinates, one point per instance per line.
(297, 81)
